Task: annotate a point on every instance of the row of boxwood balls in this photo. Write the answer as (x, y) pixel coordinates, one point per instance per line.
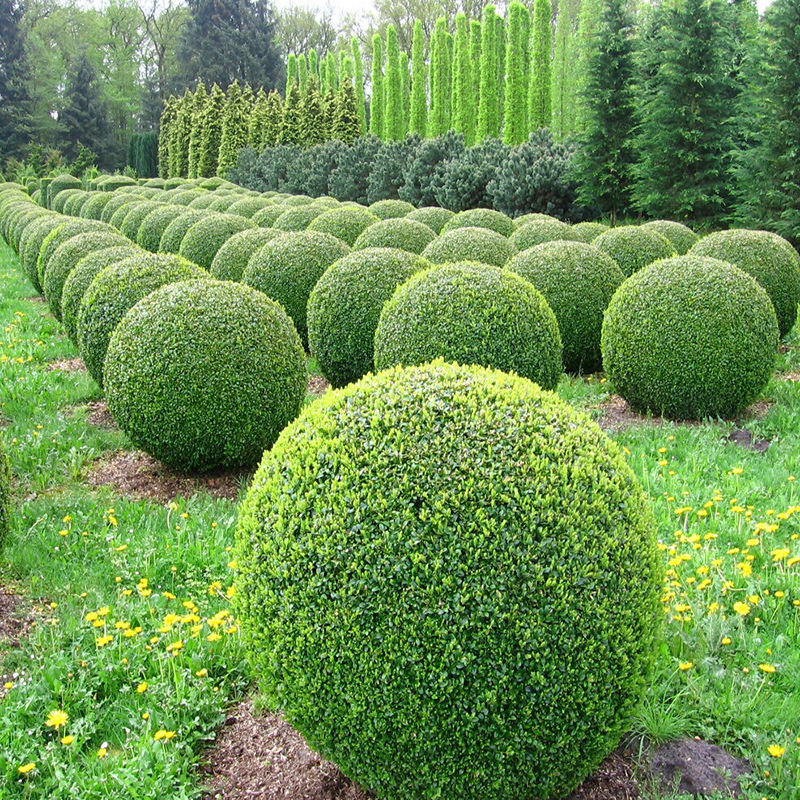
(688, 336)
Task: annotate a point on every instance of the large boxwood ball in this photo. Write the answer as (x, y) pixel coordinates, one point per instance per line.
(267, 216)
(233, 257)
(114, 291)
(176, 230)
(481, 218)
(345, 223)
(471, 314)
(769, 258)
(345, 305)
(539, 231)
(5, 495)
(690, 337)
(390, 209)
(57, 237)
(204, 238)
(448, 582)
(117, 201)
(248, 206)
(155, 223)
(588, 231)
(287, 268)
(432, 216)
(133, 219)
(398, 232)
(30, 244)
(205, 374)
(298, 219)
(634, 247)
(524, 219)
(681, 236)
(95, 205)
(578, 281)
(470, 244)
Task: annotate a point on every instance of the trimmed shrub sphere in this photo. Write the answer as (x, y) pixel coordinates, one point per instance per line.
(287, 268)
(401, 233)
(117, 289)
(681, 236)
(481, 218)
(174, 232)
(345, 223)
(248, 206)
(448, 581)
(95, 205)
(205, 374)
(539, 231)
(232, 258)
(533, 217)
(471, 314)
(578, 281)
(57, 237)
(267, 216)
(5, 495)
(770, 259)
(134, 218)
(155, 223)
(588, 231)
(345, 305)
(634, 247)
(470, 244)
(690, 337)
(30, 245)
(297, 219)
(432, 216)
(205, 237)
(390, 209)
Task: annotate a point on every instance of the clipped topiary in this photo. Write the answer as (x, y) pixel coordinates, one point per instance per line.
(79, 280)
(57, 237)
(59, 184)
(287, 268)
(233, 257)
(588, 231)
(401, 233)
(205, 237)
(114, 291)
(248, 206)
(267, 216)
(471, 314)
(345, 305)
(481, 218)
(690, 337)
(634, 247)
(470, 244)
(769, 258)
(539, 231)
(139, 208)
(524, 219)
(390, 209)
(93, 208)
(72, 207)
(173, 234)
(432, 216)
(135, 217)
(205, 374)
(448, 582)
(62, 198)
(116, 202)
(155, 223)
(298, 219)
(578, 281)
(5, 495)
(681, 236)
(204, 201)
(30, 244)
(346, 223)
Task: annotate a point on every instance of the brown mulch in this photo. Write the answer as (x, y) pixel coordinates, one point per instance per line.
(37, 298)
(262, 756)
(68, 365)
(317, 385)
(99, 415)
(16, 618)
(141, 477)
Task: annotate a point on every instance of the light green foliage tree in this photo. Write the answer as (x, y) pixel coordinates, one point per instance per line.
(358, 83)
(540, 94)
(164, 136)
(441, 81)
(313, 63)
(273, 120)
(346, 124)
(475, 64)
(500, 41)
(181, 131)
(312, 112)
(393, 119)
(586, 46)
(333, 75)
(515, 128)
(377, 102)
(463, 92)
(330, 111)
(418, 121)
(196, 133)
(405, 85)
(212, 133)
(563, 101)
(291, 73)
(302, 70)
(258, 121)
(489, 107)
(292, 123)
(235, 123)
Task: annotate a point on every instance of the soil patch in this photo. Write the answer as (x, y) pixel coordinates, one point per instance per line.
(140, 477)
(791, 377)
(16, 618)
(317, 385)
(745, 438)
(99, 415)
(68, 365)
(37, 298)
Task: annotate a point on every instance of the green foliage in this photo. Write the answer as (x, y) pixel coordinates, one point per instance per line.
(418, 122)
(564, 73)
(420, 168)
(681, 236)
(489, 104)
(312, 111)
(578, 281)
(30, 245)
(59, 184)
(400, 233)
(344, 223)
(481, 218)
(59, 235)
(462, 182)
(291, 131)
(394, 127)
(470, 244)
(377, 100)
(138, 212)
(690, 337)
(206, 236)
(267, 216)
(515, 128)
(248, 206)
(540, 111)
(165, 135)
(180, 132)
(175, 231)
(345, 304)
(205, 374)
(589, 231)
(768, 258)
(233, 257)
(441, 85)
(634, 247)
(95, 205)
(297, 219)
(390, 209)
(387, 171)
(155, 223)
(212, 133)
(287, 268)
(5, 495)
(234, 132)
(199, 100)
(358, 82)
(462, 672)
(463, 92)
(346, 123)
(432, 216)
(539, 231)
(114, 291)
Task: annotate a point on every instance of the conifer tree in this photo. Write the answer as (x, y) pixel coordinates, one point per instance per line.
(540, 93)
(291, 73)
(212, 133)
(312, 112)
(463, 93)
(16, 118)
(418, 117)
(235, 123)
(563, 75)
(358, 83)
(258, 121)
(330, 112)
(346, 125)
(515, 128)
(292, 122)
(377, 101)
(405, 87)
(475, 64)
(441, 81)
(489, 107)
(179, 131)
(394, 88)
(586, 46)
(273, 120)
(333, 75)
(302, 71)
(196, 133)
(165, 136)
(313, 64)
(500, 40)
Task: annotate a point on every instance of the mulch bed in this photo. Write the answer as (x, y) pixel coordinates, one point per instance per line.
(16, 618)
(69, 365)
(317, 385)
(99, 415)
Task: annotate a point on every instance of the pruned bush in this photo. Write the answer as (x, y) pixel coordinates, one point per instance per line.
(681, 236)
(390, 209)
(588, 231)
(345, 304)
(448, 581)
(432, 216)
(94, 206)
(233, 257)
(116, 202)
(481, 218)
(462, 182)
(690, 337)
(470, 244)
(155, 223)
(634, 247)
(110, 183)
(57, 237)
(471, 314)
(298, 219)
(206, 236)
(204, 201)
(540, 231)
(267, 216)
(173, 234)
(248, 206)
(72, 206)
(133, 219)
(578, 281)
(140, 207)
(770, 259)
(114, 291)
(345, 223)
(205, 374)
(62, 198)
(404, 234)
(30, 245)
(59, 184)
(350, 179)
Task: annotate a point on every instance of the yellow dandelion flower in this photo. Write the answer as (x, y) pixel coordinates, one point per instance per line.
(776, 751)
(769, 668)
(162, 735)
(142, 687)
(741, 608)
(726, 640)
(56, 719)
(67, 740)
(685, 665)
(26, 768)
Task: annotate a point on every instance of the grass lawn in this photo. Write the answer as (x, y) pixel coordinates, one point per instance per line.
(135, 645)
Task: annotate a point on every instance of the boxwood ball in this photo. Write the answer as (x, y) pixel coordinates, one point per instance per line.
(448, 582)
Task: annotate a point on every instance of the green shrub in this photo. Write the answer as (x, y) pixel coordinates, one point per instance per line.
(61, 199)
(345, 304)
(267, 216)
(213, 183)
(22, 218)
(471, 314)
(66, 258)
(404, 234)
(93, 208)
(204, 201)
(5, 495)
(345, 223)
(588, 231)
(690, 337)
(30, 244)
(634, 247)
(432, 216)
(57, 237)
(116, 202)
(287, 268)
(155, 223)
(770, 259)
(448, 581)
(173, 234)
(114, 291)
(534, 217)
(59, 184)
(578, 281)
(481, 218)
(79, 280)
(205, 374)
(233, 257)
(121, 214)
(223, 203)
(134, 218)
(248, 206)
(470, 244)
(390, 209)
(298, 219)
(175, 183)
(186, 196)
(110, 183)
(206, 236)
(73, 204)
(297, 200)
(681, 236)
(540, 231)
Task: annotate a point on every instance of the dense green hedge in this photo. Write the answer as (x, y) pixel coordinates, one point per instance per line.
(448, 582)
(297, 218)
(681, 236)
(205, 237)
(390, 209)
(634, 247)
(690, 337)
(345, 223)
(481, 218)
(539, 231)
(432, 216)
(470, 244)
(232, 258)
(404, 234)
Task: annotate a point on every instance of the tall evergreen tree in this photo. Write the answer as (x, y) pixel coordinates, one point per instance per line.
(329, 105)
(684, 140)
(500, 40)
(302, 71)
(358, 83)
(405, 83)
(292, 123)
(475, 64)
(489, 108)
(515, 128)
(212, 133)
(258, 121)
(291, 73)
(441, 81)
(393, 119)
(333, 75)
(273, 120)
(235, 122)
(563, 75)
(16, 120)
(346, 125)
(313, 63)
(377, 102)
(181, 132)
(312, 111)
(604, 162)
(196, 132)
(586, 46)
(418, 121)
(165, 135)
(540, 96)
(463, 92)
